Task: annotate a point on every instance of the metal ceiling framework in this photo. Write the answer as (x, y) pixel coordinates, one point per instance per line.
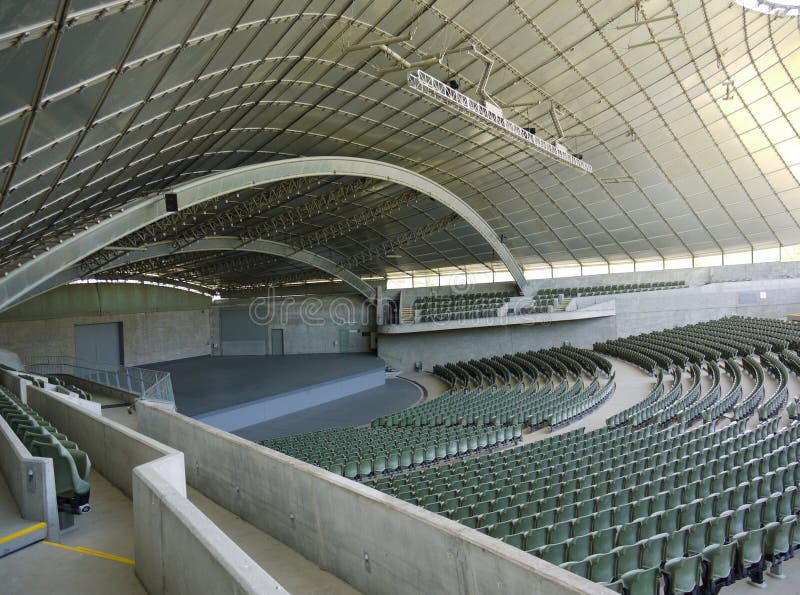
(688, 112)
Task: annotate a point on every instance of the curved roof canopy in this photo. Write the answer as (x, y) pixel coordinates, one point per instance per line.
(688, 112)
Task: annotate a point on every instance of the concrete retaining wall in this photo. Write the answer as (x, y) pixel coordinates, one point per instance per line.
(15, 384)
(30, 480)
(377, 543)
(401, 350)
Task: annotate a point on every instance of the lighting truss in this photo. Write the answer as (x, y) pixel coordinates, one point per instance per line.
(773, 7)
(436, 90)
(373, 252)
(358, 220)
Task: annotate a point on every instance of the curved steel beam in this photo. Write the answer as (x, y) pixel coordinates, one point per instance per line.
(225, 243)
(25, 279)
(211, 244)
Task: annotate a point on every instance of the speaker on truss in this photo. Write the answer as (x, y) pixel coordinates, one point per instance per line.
(171, 202)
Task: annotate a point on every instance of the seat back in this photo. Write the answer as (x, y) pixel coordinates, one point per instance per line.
(683, 574)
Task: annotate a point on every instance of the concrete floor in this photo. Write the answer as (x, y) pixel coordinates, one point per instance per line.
(354, 410)
(203, 384)
(108, 528)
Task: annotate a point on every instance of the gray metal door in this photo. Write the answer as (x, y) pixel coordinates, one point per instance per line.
(277, 341)
(101, 343)
(240, 334)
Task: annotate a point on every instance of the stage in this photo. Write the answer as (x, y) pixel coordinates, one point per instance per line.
(273, 395)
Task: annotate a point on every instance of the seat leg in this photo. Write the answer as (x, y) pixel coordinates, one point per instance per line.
(756, 577)
(776, 570)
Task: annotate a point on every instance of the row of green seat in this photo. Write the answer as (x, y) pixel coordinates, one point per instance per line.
(82, 394)
(464, 297)
(636, 569)
(447, 315)
(610, 289)
(71, 465)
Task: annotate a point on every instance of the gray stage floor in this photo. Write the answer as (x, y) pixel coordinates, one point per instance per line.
(353, 410)
(204, 384)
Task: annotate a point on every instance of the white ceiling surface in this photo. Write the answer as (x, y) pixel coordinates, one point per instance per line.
(102, 103)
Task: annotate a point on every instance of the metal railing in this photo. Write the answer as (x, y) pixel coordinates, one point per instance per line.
(152, 385)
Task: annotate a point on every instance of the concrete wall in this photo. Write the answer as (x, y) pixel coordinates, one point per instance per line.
(148, 337)
(311, 324)
(375, 542)
(90, 299)
(401, 351)
(636, 313)
(177, 548)
(30, 480)
(10, 359)
(114, 449)
(158, 323)
(645, 312)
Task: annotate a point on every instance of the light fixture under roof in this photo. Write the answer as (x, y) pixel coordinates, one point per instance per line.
(434, 89)
(787, 8)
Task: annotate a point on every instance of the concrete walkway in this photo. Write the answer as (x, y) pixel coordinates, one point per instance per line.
(107, 529)
(294, 572)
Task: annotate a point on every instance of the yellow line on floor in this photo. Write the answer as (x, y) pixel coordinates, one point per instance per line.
(22, 532)
(90, 552)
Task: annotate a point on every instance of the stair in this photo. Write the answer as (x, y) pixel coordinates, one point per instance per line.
(562, 305)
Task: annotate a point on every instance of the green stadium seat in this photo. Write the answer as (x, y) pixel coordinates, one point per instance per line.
(750, 554)
(718, 566)
(626, 558)
(602, 567)
(682, 575)
(642, 581)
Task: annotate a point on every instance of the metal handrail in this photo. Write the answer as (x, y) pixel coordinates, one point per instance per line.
(151, 385)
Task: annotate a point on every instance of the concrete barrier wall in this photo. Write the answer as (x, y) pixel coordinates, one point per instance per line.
(113, 448)
(402, 350)
(178, 549)
(30, 480)
(101, 389)
(375, 542)
(14, 383)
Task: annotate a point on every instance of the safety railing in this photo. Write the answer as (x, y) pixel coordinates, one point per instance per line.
(152, 385)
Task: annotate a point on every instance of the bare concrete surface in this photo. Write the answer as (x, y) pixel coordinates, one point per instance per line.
(294, 572)
(11, 520)
(433, 385)
(108, 528)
